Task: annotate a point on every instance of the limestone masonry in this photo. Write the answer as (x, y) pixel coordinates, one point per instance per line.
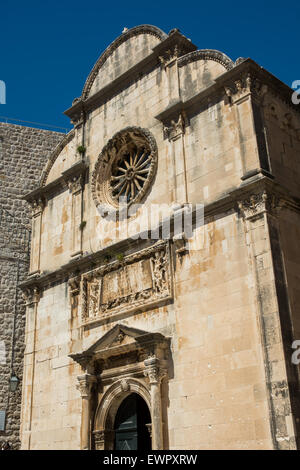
(139, 339)
(23, 154)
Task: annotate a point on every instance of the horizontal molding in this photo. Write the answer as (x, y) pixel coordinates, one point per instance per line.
(90, 261)
(77, 169)
(85, 105)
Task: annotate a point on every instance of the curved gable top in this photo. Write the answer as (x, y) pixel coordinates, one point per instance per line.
(54, 155)
(112, 64)
(207, 54)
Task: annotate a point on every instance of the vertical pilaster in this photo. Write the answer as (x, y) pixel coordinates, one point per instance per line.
(175, 133)
(75, 186)
(247, 95)
(32, 298)
(261, 226)
(37, 214)
(155, 376)
(85, 384)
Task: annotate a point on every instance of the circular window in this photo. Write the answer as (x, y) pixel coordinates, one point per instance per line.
(130, 173)
(125, 168)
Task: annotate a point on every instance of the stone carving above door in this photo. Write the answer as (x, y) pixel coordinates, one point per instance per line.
(140, 281)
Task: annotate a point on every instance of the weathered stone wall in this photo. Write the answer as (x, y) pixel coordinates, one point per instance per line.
(23, 154)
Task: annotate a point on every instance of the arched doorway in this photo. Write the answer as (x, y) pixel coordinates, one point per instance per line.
(132, 424)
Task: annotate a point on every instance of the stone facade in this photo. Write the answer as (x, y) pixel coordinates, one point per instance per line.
(199, 325)
(23, 153)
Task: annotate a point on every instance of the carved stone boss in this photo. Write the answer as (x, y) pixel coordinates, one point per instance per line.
(142, 279)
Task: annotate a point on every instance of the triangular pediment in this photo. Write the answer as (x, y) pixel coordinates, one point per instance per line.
(119, 340)
(118, 335)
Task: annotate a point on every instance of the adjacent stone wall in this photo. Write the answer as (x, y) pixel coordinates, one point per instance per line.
(23, 154)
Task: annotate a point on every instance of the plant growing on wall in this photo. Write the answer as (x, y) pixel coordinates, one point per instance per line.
(81, 149)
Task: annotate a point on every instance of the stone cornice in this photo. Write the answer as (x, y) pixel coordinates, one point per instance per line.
(84, 263)
(230, 80)
(257, 184)
(207, 54)
(121, 340)
(173, 47)
(42, 192)
(254, 74)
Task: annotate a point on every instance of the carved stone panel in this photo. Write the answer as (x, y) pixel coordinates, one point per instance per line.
(141, 280)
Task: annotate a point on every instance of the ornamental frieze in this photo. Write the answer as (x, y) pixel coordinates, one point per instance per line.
(141, 280)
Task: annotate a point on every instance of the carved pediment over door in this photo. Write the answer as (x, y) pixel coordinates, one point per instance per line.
(123, 342)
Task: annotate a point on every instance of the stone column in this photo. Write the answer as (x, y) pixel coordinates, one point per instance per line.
(32, 297)
(260, 214)
(155, 376)
(85, 384)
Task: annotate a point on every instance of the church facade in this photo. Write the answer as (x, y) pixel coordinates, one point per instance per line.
(162, 296)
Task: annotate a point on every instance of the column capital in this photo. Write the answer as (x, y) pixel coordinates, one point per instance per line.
(175, 128)
(85, 383)
(259, 203)
(31, 295)
(75, 183)
(37, 206)
(153, 370)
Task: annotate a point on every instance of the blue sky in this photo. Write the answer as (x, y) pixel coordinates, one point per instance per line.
(48, 48)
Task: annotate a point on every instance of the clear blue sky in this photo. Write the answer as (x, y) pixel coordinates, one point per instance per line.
(48, 48)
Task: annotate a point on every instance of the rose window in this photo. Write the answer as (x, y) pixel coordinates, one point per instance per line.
(125, 168)
(130, 173)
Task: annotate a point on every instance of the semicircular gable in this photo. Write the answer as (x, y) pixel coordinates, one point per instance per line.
(199, 69)
(207, 54)
(115, 64)
(54, 155)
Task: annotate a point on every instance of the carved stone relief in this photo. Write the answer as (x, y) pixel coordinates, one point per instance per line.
(140, 280)
(247, 83)
(176, 128)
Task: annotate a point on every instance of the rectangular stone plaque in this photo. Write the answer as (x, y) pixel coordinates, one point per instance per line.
(143, 279)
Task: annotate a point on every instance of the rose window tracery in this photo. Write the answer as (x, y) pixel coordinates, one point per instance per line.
(130, 173)
(125, 168)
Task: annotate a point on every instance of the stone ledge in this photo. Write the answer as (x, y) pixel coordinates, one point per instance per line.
(226, 203)
(77, 169)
